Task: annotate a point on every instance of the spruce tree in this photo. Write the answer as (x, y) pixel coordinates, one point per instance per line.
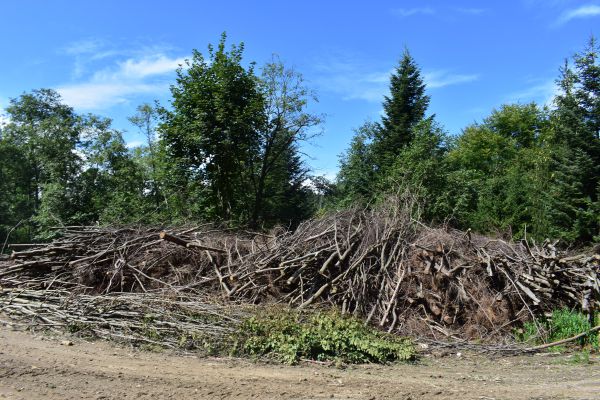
(576, 160)
(403, 109)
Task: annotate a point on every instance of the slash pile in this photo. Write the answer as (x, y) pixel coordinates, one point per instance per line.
(379, 264)
(165, 321)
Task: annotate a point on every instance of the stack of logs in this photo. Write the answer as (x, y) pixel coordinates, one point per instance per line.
(380, 265)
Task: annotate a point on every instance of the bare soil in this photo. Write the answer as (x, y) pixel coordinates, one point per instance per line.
(45, 367)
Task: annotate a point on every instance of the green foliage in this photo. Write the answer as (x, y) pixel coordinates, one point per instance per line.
(290, 336)
(563, 324)
(575, 182)
(566, 323)
(421, 167)
(499, 170)
(61, 168)
(524, 171)
(356, 178)
(43, 135)
(228, 148)
(280, 192)
(148, 156)
(210, 132)
(230, 141)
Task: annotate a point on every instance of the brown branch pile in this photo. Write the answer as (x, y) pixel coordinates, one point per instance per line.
(165, 321)
(380, 265)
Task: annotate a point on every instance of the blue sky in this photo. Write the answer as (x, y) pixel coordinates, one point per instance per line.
(106, 57)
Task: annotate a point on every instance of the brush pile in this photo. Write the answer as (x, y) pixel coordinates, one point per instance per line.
(164, 321)
(380, 265)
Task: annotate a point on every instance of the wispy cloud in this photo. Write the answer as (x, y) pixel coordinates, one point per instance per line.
(543, 92)
(471, 11)
(447, 12)
(547, 3)
(86, 52)
(409, 12)
(84, 46)
(121, 81)
(353, 80)
(586, 11)
(441, 78)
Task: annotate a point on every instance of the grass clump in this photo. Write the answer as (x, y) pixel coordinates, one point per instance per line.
(290, 336)
(563, 324)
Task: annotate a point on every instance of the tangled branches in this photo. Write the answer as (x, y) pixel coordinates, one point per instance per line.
(380, 265)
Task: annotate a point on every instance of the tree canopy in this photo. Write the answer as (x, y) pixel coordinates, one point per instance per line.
(227, 148)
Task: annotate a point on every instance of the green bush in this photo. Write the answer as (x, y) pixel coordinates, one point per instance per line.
(290, 336)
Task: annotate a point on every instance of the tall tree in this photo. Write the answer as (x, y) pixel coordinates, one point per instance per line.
(44, 133)
(210, 134)
(15, 205)
(287, 124)
(366, 167)
(403, 109)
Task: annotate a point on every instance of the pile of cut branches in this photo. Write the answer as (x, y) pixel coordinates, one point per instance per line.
(379, 264)
(166, 321)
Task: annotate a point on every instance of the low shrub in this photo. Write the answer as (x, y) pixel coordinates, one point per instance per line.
(290, 336)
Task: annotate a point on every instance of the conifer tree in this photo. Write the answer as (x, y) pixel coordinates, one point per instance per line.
(403, 109)
(575, 186)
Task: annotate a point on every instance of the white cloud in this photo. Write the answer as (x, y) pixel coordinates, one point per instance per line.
(158, 64)
(349, 78)
(444, 14)
(440, 79)
(543, 92)
(409, 12)
(102, 95)
(352, 82)
(120, 83)
(586, 11)
(370, 87)
(84, 46)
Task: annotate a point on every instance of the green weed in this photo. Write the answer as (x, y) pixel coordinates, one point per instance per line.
(290, 336)
(562, 324)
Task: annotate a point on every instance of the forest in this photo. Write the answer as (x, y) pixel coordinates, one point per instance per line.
(227, 148)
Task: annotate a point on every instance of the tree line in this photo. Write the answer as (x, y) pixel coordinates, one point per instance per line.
(227, 148)
(524, 171)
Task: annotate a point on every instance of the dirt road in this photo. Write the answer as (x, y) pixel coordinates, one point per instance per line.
(40, 367)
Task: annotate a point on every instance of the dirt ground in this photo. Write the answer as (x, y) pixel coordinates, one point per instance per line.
(44, 367)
